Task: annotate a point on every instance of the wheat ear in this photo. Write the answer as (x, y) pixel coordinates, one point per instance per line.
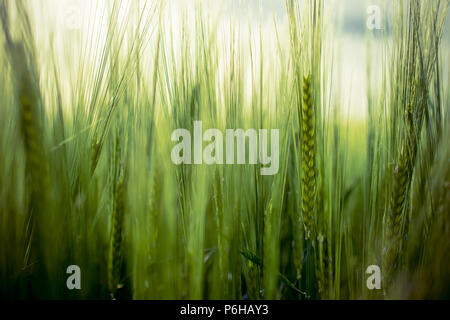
(308, 160)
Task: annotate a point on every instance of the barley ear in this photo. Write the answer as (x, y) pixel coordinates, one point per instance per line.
(308, 160)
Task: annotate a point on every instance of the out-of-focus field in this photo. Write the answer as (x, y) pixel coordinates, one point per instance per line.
(90, 98)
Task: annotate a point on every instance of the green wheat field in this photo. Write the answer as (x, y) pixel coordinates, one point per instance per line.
(86, 176)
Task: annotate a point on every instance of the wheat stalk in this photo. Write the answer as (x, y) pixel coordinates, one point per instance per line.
(117, 227)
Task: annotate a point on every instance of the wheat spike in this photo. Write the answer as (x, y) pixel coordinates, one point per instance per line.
(396, 223)
(308, 160)
(31, 128)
